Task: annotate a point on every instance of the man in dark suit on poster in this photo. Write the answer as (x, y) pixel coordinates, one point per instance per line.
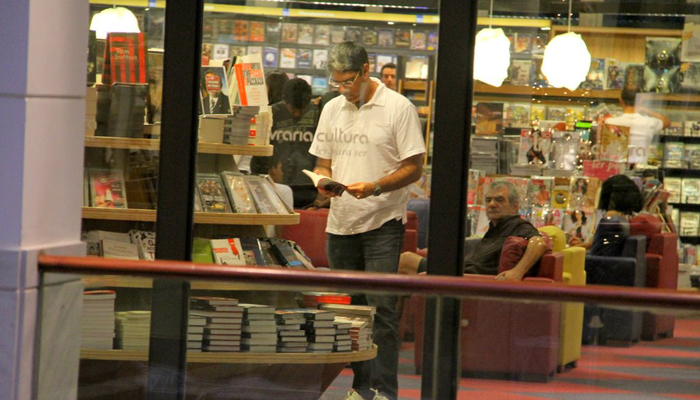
(215, 101)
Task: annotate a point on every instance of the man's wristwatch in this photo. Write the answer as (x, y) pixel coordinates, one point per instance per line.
(377, 189)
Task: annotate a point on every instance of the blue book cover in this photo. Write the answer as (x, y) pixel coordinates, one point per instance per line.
(270, 57)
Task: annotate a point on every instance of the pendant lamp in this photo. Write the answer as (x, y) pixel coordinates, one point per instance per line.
(491, 55)
(566, 60)
(115, 19)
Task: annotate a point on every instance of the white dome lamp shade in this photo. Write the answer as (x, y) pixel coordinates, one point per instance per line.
(115, 19)
(566, 59)
(491, 56)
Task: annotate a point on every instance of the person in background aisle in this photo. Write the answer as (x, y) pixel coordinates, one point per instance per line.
(273, 166)
(370, 139)
(293, 128)
(275, 81)
(642, 127)
(502, 205)
(388, 75)
(620, 199)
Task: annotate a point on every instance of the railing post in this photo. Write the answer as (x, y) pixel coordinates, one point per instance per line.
(453, 100)
(176, 186)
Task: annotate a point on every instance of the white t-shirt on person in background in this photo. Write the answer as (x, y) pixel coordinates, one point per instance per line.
(367, 144)
(642, 131)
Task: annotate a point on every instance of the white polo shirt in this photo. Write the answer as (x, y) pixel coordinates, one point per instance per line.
(365, 145)
(642, 131)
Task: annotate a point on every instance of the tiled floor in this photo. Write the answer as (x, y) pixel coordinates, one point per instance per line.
(663, 370)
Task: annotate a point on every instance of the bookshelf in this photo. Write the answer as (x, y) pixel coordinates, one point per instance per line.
(237, 358)
(127, 214)
(106, 142)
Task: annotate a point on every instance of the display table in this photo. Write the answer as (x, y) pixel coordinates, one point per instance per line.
(118, 374)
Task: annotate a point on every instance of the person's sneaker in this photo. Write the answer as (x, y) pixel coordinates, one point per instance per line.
(353, 395)
(378, 396)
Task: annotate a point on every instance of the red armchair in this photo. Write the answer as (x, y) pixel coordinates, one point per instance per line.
(310, 234)
(498, 337)
(662, 270)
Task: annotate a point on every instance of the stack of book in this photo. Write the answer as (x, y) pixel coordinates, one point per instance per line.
(290, 331)
(484, 154)
(133, 329)
(320, 330)
(343, 338)
(90, 111)
(97, 321)
(362, 320)
(195, 332)
(259, 331)
(222, 330)
(237, 127)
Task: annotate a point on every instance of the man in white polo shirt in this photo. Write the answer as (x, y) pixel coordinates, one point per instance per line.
(369, 139)
(642, 128)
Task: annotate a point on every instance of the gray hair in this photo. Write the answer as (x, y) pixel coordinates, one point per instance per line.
(513, 197)
(347, 56)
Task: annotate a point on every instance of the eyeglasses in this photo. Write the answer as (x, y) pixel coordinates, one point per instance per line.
(346, 84)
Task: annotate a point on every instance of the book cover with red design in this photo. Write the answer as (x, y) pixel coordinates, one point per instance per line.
(125, 58)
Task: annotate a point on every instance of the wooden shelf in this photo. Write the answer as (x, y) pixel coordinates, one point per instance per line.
(415, 85)
(512, 90)
(154, 145)
(237, 358)
(482, 89)
(134, 282)
(618, 31)
(120, 214)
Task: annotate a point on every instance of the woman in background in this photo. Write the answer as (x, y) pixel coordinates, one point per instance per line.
(275, 86)
(621, 199)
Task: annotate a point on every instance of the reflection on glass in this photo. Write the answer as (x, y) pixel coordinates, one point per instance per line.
(297, 343)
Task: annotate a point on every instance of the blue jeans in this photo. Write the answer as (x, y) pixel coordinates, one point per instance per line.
(374, 251)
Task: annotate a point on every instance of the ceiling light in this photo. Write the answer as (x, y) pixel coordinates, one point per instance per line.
(491, 55)
(566, 60)
(115, 19)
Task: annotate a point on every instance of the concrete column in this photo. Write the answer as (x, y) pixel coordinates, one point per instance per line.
(42, 109)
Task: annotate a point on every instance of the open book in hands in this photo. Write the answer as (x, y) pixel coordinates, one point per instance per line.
(326, 183)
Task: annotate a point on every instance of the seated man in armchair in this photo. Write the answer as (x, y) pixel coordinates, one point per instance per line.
(502, 204)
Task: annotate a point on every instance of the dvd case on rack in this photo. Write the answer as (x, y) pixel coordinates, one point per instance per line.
(306, 34)
(288, 58)
(240, 30)
(337, 34)
(369, 37)
(257, 190)
(353, 34)
(212, 194)
(402, 38)
(107, 188)
(237, 189)
(689, 223)
(257, 31)
(673, 187)
(385, 37)
(418, 40)
(320, 59)
(304, 58)
(690, 191)
(289, 33)
(273, 32)
(673, 154)
(322, 35)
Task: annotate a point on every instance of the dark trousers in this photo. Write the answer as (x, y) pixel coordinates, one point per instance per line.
(374, 251)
